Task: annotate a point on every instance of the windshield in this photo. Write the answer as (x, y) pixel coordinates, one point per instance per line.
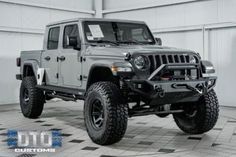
(117, 32)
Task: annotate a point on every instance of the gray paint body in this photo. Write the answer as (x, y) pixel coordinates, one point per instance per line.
(69, 71)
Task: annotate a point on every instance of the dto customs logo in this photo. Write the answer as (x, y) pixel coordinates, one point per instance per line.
(34, 141)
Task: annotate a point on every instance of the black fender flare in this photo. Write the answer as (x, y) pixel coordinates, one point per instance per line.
(92, 68)
(31, 63)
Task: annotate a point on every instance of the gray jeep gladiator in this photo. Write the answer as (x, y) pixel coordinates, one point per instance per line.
(120, 70)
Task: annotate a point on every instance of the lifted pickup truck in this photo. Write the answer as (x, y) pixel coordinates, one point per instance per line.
(120, 70)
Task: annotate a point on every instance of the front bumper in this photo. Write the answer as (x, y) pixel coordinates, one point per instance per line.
(168, 92)
(172, 91)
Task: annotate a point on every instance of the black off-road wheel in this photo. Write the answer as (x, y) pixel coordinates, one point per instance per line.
(31, 98)
(198, 117)
(105, 114)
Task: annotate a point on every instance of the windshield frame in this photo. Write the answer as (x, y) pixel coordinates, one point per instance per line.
(153, 42)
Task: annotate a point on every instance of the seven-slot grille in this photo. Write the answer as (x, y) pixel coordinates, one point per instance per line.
(158, 60)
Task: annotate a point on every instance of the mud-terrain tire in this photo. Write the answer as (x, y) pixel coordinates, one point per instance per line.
(198, 117)
(31, 98)
(105, 114)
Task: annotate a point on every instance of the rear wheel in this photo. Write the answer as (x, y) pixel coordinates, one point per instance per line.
(31, 98)
(198, 117)
(105, 114)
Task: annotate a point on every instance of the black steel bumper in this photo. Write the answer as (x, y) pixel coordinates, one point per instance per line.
(167, 92)
(172, 91)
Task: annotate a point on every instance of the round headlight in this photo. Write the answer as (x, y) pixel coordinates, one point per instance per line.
(141, 62)
(193, 60)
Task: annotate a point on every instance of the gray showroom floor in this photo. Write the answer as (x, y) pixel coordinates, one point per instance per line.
(145, 136)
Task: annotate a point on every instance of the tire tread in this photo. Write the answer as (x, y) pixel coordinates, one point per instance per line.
(117, 116)
(208, 116)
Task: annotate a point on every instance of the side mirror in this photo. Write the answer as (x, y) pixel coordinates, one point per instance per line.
(158, 41)
(73, 42)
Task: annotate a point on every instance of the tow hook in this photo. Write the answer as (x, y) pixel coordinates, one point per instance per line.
(160, 91)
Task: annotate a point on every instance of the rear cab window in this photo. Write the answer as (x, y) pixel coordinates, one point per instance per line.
(53, 38)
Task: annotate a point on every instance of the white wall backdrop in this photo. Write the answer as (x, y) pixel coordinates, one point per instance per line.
(22, 25)
(206, 26)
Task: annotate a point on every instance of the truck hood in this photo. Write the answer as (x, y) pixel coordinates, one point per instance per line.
(121, 51)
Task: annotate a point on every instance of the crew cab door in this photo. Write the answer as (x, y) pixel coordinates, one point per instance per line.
(49, 56)
(70, 65)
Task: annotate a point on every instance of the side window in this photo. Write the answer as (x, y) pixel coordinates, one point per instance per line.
(70, 31)
(53, 38)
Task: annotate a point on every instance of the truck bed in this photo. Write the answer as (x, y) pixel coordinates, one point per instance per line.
(31, 55)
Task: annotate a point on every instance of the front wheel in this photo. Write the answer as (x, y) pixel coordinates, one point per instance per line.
(198, 117)
(105, 114)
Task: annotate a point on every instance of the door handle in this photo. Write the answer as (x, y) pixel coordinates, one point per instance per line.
(62, 58)
(47, 58)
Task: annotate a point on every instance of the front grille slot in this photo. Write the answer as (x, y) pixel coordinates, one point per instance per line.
(182, 59)
(158, 61)
(187, 59)
(176, 59)
(170, 58)
(152, 63)
(164, 59)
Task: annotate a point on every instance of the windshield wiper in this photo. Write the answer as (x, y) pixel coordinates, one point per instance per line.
(107, 41)
(131, 41)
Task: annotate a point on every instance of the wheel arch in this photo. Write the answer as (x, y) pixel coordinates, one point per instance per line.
(30, 68)
(100, 72)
